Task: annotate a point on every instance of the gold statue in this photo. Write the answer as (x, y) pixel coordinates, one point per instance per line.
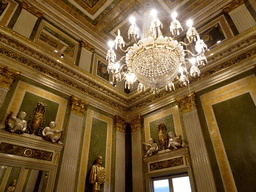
(12, 187)
(16, 124)
(151, 148)
(162, 136)
(97, 175)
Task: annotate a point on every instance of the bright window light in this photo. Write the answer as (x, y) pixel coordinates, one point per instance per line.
(181, 184)
(161, 185)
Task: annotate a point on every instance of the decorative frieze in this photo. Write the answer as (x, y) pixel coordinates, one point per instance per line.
(136, 123)
(31, 9)
(231, 6)
(25, 151)
(187, 103)
(78, 106)
(7, 77)
(120, 124)
(87, 46)
(166, 164)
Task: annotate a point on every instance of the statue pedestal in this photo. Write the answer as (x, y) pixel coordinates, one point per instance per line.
(32, 158)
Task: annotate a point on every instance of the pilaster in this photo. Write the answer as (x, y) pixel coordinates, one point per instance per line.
(27, 19)
(7, 77)
(68, 168)
(137, 170)
(240, 15)
(120, 125)
(204, 180)
(86, 56)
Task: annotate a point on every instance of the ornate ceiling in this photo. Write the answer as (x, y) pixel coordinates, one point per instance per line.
(101, 19)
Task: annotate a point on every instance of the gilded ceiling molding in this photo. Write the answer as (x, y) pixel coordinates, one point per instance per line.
(187, 103)
(87, 46)
(136, 123)
(231, 6)
(120, 124)
(31, 9)
(7, 77)
(78, 106)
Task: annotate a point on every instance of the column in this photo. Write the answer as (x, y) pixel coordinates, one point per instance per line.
(120, 125)
(240, 15)
(203, 176)
(27, 19)
(6, 79)
(86, 56)
(69, 162)
(137, 170)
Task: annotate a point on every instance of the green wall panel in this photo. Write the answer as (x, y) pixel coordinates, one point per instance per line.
(29, 104)
(98, 141)
(236, 119)
(167, 121)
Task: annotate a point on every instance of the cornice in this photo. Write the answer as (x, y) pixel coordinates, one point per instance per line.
(31, 9)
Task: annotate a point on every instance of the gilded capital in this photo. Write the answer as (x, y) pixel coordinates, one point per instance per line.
(136, 123)
(87, 46)
(187, 103)
(7, 77)
(231, 6)
(78, 106)
(120, 124)
(31, 9)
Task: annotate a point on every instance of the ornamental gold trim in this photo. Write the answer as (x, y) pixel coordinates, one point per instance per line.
(120, 124)
(187, 103)
(231, 6)
(7, 77)
(136, 124)
(87, 46)
(78, 106)
(31, 9)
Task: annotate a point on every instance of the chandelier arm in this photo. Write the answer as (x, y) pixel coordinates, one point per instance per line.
(120, 69)
(182, 43)
(122, 58)
(194, 55)
(125, 51)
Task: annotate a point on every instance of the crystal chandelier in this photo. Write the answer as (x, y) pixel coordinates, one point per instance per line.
(156, 61)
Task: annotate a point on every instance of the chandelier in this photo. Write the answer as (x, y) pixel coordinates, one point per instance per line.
(156, 61)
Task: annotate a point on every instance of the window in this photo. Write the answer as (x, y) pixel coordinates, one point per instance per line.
(173, 183)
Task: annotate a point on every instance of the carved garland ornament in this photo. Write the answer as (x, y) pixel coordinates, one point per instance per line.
(31, 9)
(234, 4)
(78, 106)
(7, 77)
(87, 46)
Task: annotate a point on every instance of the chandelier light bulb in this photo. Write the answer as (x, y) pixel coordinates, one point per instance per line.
(174, 15)
(132, 20)
(154, 13)
(193, 60)
(111, 44)
(189, 23)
